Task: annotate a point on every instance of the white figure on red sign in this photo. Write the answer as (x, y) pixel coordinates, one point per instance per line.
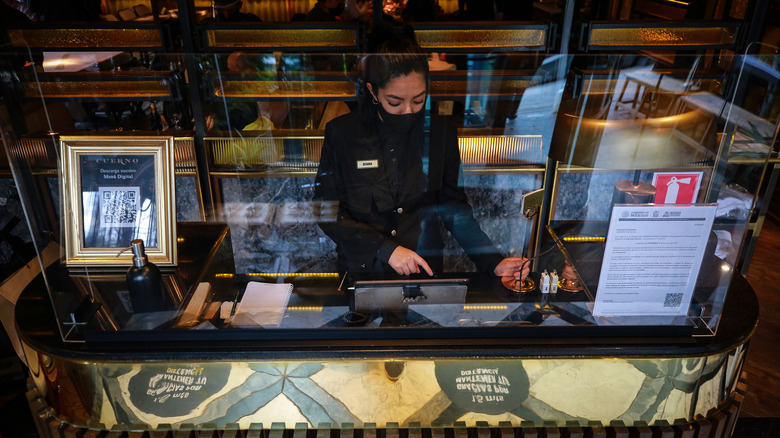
(673, 188)
(676, 187)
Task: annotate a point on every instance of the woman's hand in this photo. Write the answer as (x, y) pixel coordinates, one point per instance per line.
(519, 267)
(406, 262)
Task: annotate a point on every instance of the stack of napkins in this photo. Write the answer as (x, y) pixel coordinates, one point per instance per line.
(263, 304)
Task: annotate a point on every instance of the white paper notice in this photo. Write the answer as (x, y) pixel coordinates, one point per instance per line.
(652, 259)
(263, 304)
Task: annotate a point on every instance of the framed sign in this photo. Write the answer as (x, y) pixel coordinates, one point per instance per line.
(115, 190)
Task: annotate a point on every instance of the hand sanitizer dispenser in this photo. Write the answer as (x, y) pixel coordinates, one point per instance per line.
(144, 282)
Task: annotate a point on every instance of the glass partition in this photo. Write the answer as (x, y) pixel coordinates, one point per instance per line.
(628, 184)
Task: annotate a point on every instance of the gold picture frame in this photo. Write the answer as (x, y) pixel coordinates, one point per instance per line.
(114, 190)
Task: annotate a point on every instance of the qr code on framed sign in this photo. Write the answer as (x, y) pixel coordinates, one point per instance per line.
(119, 206)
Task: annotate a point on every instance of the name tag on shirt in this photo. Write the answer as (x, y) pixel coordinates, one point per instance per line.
(368, 164)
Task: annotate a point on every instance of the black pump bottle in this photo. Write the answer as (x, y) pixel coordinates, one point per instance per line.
(144, 282)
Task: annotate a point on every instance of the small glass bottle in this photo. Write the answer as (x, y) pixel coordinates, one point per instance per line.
(144, 282)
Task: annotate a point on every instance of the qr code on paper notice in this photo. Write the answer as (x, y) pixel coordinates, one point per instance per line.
(119, 206)
(673, 300)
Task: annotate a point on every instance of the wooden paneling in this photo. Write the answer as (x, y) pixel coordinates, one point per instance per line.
(763, 399)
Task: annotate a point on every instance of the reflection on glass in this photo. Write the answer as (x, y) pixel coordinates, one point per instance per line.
(616, 114)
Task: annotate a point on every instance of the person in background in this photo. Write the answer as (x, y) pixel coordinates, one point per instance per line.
(56, 10)
(157, 121)
(356, 11)
(270, 115)
(248, 115)
(421, 11)
(229, 11)
(396, 178)
(324, 10)
(514, 10)
(476, 10)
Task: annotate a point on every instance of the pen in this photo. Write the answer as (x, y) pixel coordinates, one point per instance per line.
(233, 309)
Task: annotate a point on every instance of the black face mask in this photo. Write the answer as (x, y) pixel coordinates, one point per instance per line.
(400, 123)
(337, 11)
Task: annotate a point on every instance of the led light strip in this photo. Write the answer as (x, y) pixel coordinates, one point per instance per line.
(583, 239)
(284, 274)
(484, 307)
(305, 308)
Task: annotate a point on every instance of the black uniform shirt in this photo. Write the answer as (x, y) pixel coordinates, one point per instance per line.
(357, 170)
(401, 160)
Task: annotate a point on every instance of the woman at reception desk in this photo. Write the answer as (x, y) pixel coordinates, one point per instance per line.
(397, 175)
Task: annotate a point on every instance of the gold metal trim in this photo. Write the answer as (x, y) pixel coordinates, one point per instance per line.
(502, 170)
(184, 155)
(310, 172)
(479, 86)
(471, 85)
(42, 158)
(480, 38)
(640, 37)
(275, 89)
(752, 161)
(607, 86)
(72, 147)
(569, 285)
(266, 173)
(233, 38)
(85, 38)
(39, 153)
(500, 149)
(97, 89)
(248, 152)
(258, 151)
(556, 169)
(525, 285)
(572, 168)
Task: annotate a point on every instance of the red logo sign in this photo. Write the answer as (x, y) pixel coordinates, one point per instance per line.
(676, 187)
